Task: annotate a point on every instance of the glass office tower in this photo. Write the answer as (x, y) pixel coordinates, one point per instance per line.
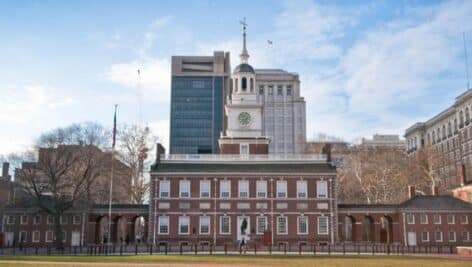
(198, 91)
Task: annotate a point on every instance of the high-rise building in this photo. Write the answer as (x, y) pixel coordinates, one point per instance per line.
(198, 90)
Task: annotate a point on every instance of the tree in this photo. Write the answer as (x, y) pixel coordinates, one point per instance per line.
(135, 143)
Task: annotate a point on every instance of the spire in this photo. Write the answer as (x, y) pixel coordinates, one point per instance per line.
(244, 54)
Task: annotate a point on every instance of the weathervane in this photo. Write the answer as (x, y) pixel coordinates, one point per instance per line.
(244, 55)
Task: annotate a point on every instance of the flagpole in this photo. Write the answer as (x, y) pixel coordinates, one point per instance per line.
(111, 176)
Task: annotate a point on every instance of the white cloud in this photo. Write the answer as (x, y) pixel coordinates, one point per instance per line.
(161, 129)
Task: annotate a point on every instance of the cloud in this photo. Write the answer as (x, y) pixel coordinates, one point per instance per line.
(161, 129)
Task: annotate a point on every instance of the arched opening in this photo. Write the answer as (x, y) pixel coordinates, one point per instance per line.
(121, 230)
(251, 85)
(139, 229)
(467, 115)
(368, 229)
(236, 87)
(461, 119)
(244, 84)
(349, 233)
(386, 229)
(102, 230)
(449, 129)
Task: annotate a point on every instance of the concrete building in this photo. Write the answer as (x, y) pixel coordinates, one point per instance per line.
(199, 87)
(383, 141)
(448, 133)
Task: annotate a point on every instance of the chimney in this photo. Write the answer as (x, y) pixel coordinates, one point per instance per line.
(435, 190)
(411, 191)
(5, 168)
(463, 175)
(160, 150)
(327, 151)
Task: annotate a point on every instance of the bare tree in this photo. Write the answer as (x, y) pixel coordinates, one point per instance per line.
(135, 142)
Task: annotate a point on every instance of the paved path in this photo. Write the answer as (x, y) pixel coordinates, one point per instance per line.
(107, 264)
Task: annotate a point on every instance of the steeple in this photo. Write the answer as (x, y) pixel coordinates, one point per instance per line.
(244, 54)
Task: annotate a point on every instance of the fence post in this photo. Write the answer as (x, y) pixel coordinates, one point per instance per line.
(226, 249)
(314, 249)
(150, 250)
(344, 248)
(211, 249)
(270, 249)
(136, 249)
(388, 249)
(285, 248)
(329, 249)
(121, 249)
(300, 249)
(255, 248)
(196, 248)
(180, 248)
(165, 252)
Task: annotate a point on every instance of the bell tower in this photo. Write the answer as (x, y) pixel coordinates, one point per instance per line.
(244, 128)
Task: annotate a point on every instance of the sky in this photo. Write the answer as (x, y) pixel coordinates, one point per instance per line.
(365, 67)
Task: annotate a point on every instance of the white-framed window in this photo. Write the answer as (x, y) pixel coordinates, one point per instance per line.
(437, 219)
(302, 189)
(11, 219)
(36, 236)
(225, 189)
(225, 225)
(184, 186)
(464, 219)
(184, 225)
(261, 224)
(323, 225)
(163, 227)
(50, 219)
(244, 149)
(37, 219)
(450, 219)
(204, 225)
(49, 236)
(164, 188)
(465, 236)
(281, 189)
(76, 219)
(243, 188)
(452, 236)
(410, 218)
(261, 188)
(63, 219)
(23, 219)
(438, 236)
(205, 188)
(22, 237)
(423, 218)
(282, 227)
(425, 236)
(302, 225)
(321, 189)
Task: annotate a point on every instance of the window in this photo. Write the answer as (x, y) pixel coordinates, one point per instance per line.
(35, 236)
(452, 236)
(410, 218)
(279, 90)
(244, 149)
(465, 236)
(450, 219)
(164, 188)
(464, 219)
(225, 189)
(282, 225)
(261, 89)
(50, 219)
(22, 237)
(281, 189)
(64, 235)
(163, 225)
(37, 219)
(184, 188)
(423, 219)
(321, 189)
(244, 83)
(24, 219)
(10, 219)
(261, 188)
(184, 228)
(301, 189)
(302, 225)
(243, 189)
(425, 236)
(225, 225)
(77, 219)
(63, 219)
(271, 89)
(261, 224)
(49, 236)
(204, 225)
(289, 90)
(205, 188)
(323, 225)
(437, 219)
(438, 236)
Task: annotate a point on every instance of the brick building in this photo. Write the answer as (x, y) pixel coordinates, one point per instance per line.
(6, 189)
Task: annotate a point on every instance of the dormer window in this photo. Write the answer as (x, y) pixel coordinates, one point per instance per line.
(244, 84)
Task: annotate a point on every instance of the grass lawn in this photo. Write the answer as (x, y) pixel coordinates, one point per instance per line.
(246, 261)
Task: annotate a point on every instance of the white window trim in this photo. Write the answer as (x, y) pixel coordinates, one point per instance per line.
(264, 191)
(209, 188)
(466, 219)
(302, 189)
(221, 225)
(180, 224)
(48, 221)
(229, 188)
(160, 223)
(200, 225)
(467, 237)
(12, 221)
(20, 234)
(435, 237)
(181, 182)
(424, 216)
(453, 219)
(21, 219)
(240, 187)
(161, 182)
(455, 236)
(241, 149)
(410, 216)
(434, 219)
(286, 225)
(425, 240)
(318, 183)
(258, 224)
(285, 188)
(76, 222)
(298, 225)
(327, 225)
(35, 240)
(34, 219)
(46, 237)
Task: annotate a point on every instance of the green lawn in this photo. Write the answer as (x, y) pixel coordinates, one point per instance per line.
(296, 261)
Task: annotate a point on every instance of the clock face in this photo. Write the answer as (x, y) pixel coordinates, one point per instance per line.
(244, 118)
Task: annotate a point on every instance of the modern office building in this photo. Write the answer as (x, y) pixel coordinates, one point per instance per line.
(198, 88)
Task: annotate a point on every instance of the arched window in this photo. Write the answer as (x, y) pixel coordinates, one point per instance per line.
(251, 85)
(449, 129)
(236, 84)
(461, 119)
(438, 132)
(467, 115)
(444, 132)
(244, 84)
(429, 139)
(434, 137)
(455, 125)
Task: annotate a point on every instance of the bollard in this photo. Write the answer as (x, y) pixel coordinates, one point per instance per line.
(255, 249)
(226, 249)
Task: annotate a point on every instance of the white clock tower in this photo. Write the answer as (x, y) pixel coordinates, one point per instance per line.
(244, 127)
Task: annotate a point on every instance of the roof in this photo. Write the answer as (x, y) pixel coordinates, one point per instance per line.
(435, 203)
(244, 67)
(367, 206)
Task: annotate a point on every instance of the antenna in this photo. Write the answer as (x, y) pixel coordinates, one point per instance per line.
(140, 100)
(466, 62)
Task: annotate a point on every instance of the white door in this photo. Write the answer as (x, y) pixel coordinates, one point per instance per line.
(75, 239)
(412, 238)
(9, 239)
(244, 228)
